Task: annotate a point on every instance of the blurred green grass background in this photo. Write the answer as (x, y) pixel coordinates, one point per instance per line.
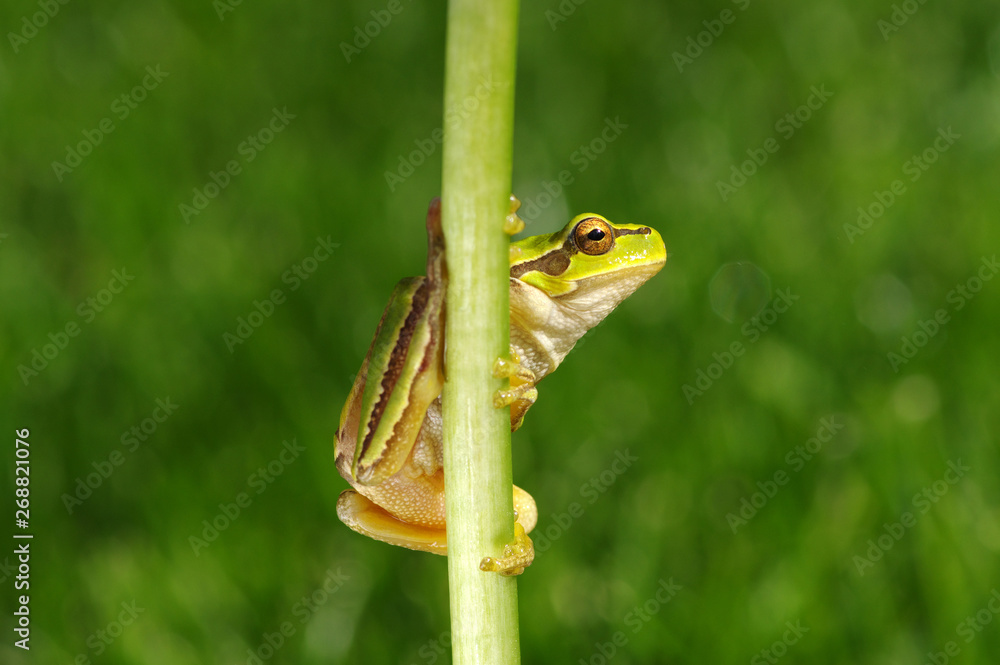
(664, 517)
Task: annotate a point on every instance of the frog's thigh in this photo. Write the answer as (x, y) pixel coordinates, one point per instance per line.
(370, 519)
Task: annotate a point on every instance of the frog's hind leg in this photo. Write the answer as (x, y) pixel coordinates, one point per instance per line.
(369, 519)
(520, 552)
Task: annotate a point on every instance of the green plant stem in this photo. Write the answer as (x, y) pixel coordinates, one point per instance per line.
(479, 91)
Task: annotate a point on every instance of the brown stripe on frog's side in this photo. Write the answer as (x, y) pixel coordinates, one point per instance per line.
(397, 360)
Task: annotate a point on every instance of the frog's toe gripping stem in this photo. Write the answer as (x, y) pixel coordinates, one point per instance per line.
(521, 393)
(506, 368)
(517, 555)
(522, 381)
(512, 223)
(525, 392)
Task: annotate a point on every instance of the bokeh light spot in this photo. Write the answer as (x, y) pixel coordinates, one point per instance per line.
(883, 304)
(915, 398)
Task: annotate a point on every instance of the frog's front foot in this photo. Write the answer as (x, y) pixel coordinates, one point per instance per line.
(522, 381)
(512, 223)
(517, 555)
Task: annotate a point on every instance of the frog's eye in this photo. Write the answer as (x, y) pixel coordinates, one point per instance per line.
(594, 236)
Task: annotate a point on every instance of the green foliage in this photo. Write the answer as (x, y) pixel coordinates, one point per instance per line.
(603, 83)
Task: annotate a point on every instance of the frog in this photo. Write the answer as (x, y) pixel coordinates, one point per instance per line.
(388, 445)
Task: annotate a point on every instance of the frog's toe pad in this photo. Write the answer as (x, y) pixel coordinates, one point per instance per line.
(517, 555)
(512, 223)
(502, 398)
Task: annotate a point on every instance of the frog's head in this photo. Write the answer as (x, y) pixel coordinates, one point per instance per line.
(591, 265)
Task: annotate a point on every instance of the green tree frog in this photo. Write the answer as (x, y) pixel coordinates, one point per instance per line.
(389, 442)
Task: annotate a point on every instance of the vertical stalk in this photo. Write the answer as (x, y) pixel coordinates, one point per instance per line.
(479, 111)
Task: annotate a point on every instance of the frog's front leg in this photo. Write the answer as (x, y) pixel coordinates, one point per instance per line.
(522, 392)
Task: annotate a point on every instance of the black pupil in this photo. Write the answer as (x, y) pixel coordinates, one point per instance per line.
(596, 234)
